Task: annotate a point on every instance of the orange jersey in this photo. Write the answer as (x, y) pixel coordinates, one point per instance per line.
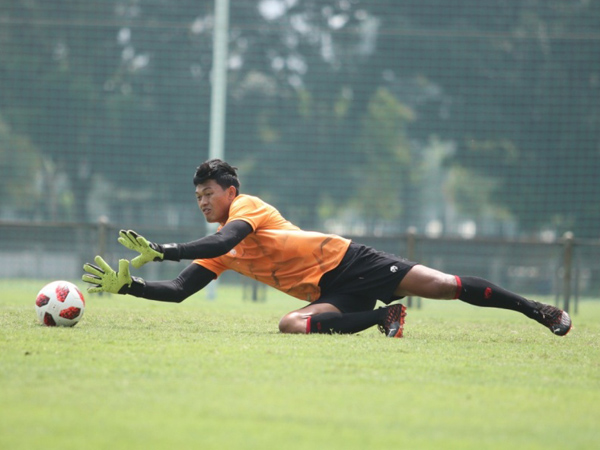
(277, 252)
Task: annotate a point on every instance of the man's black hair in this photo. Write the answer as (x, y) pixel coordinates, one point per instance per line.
(215, 169)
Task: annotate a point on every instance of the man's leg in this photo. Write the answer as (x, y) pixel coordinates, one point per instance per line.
(429, 283)
(298, 321)
(325, 318)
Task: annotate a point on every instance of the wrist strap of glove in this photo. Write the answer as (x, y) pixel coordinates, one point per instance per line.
(137, 287)
(171, 252)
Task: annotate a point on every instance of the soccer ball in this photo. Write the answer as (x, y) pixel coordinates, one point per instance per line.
(59, 303)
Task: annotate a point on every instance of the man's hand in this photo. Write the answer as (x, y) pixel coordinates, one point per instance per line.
(104, 279)
(148, 251)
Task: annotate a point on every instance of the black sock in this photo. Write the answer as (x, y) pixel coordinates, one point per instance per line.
(479, 292)
(333, 322)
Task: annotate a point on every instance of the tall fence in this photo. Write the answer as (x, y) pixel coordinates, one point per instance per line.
(567, 269)
(475, 123)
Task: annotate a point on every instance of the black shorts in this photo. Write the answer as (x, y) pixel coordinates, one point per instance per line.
(364, 276)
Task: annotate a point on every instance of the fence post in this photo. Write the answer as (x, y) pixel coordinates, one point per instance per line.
(411, 237)
(102, 233)
(567, 263)
(258, 292)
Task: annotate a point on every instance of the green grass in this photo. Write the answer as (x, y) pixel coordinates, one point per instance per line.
(136, 374)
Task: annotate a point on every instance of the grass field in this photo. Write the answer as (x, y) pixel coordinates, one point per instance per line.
(135, 374)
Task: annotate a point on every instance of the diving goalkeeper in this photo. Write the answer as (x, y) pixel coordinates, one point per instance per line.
(341, 280)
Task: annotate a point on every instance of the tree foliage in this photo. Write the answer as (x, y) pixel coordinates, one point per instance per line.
(320, 92)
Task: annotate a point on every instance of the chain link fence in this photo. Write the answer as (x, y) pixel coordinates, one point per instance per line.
(475, 123)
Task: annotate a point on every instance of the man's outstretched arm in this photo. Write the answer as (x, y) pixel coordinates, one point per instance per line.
(103, 278)
(191, 280)
(207, 247)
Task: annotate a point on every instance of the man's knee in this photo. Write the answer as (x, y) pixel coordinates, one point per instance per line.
(444, 287)
(293, 322)
(298, 321)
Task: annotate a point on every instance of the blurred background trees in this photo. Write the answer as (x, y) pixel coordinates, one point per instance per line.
(350, 114)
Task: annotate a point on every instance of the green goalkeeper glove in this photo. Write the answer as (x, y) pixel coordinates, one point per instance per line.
(148, 251)
(104, 279)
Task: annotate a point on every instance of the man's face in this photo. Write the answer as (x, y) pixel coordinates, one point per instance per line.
(214, 201)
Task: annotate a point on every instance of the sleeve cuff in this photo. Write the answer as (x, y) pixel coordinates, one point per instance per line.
(171, 252)
(137, 287)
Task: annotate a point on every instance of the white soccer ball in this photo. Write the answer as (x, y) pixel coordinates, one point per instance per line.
(59, 303)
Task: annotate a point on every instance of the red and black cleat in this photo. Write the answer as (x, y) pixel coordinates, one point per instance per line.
(557, 320)
(393, 321)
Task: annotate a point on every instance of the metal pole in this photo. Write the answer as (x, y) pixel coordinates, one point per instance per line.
(218, 103)
(219, 80)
